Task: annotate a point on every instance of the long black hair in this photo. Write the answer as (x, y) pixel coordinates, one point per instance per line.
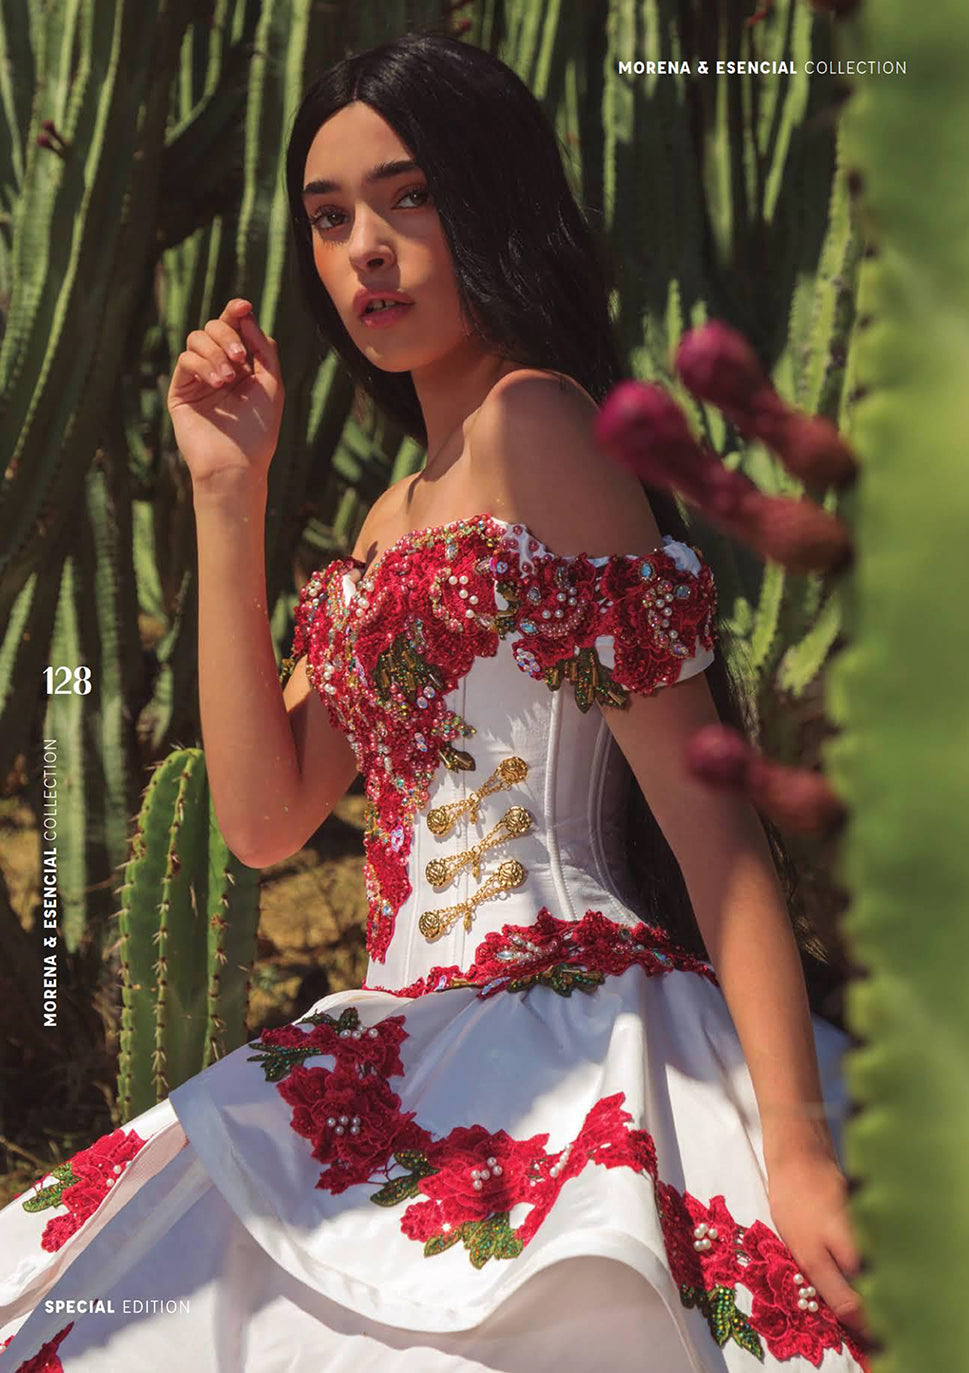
(534, 282)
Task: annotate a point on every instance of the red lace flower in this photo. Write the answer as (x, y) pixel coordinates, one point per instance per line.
(479, 1174)
(677, 1229)
(715, 1228)
(557, 610)
(350, 1113)
(460, 593)
(659, 615)
(355, 1126)
(770, 1276)
(561, 954)
(46, 1360)
(605, 1139)
(96, 1170)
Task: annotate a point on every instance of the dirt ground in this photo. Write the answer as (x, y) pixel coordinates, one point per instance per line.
(310, 942)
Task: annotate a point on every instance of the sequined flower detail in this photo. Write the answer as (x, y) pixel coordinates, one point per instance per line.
(657, 614)
(557, 606)
(82, 1183)
(563, 955)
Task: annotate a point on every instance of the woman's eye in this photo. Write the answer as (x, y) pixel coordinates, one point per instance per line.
(417, 190)
(317, 220)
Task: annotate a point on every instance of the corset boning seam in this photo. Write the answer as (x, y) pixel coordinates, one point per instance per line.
(600, 759)
(412, 932)
(563, 895)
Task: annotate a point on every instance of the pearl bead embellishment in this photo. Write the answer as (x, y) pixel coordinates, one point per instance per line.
(805, 1294)
(479, 1176)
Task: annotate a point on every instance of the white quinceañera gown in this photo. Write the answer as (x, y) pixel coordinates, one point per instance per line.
(530, 1142)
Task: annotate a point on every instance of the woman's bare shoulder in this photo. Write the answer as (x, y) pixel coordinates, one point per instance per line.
(534, 448)
(528, 383)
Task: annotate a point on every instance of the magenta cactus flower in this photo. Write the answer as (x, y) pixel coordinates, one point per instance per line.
(717, 364)
(643, 429)
(793, 798)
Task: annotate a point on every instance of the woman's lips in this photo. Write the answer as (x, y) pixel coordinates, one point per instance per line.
(383, 319)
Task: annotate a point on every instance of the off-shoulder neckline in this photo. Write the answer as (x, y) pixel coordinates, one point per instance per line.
(481, 520)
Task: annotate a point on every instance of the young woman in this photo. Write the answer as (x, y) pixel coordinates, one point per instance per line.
(544, 1135)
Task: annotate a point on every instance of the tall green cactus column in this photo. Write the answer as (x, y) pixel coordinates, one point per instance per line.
(188, 929)
(899, 691)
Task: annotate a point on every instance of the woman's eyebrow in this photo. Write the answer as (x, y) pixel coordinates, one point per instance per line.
(382, 172)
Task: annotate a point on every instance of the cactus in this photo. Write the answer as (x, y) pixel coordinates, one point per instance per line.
(899, 760)
(188, 926)
(72, 291)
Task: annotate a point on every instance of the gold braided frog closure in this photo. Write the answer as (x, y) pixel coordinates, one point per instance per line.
(442, 819)
(515, 822)
(509, 874)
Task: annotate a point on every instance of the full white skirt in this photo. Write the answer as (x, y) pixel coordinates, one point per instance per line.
(211, 1240)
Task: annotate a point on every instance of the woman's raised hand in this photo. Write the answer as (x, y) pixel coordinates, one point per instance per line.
(226, 397)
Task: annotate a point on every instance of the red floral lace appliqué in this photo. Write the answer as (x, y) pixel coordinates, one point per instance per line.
(46, 1360)
(462, 1188)
(440, 598)
(82, 1184)
(564, 955)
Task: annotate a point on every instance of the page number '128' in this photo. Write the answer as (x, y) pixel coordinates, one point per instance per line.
(76, 681)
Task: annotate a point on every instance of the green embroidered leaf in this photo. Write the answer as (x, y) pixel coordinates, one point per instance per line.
(349, 1020)
(480, 1238)
(396, 1190)
(438, 1243)
(51, 1194)
(416, 1160)
(725, 1321)
(508, 1245)
(561, 979)
(277, 1061)
(746, 1336)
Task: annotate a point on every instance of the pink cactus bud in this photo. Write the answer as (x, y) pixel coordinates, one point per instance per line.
(809, 446)
(718, 365)
(48, 126)
(793, 798)
(719, 755)
(796, 533)
(728, 496)
(43, 141)
(643, 429)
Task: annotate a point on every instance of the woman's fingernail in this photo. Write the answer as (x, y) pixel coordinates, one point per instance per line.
(215, 379)
(237, 351)
(227, 371)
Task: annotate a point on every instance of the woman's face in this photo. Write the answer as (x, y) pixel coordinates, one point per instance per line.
(380, 235)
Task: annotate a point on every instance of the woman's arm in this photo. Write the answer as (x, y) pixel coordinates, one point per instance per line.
(276, 765)
(723, 853)
(534, 452)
